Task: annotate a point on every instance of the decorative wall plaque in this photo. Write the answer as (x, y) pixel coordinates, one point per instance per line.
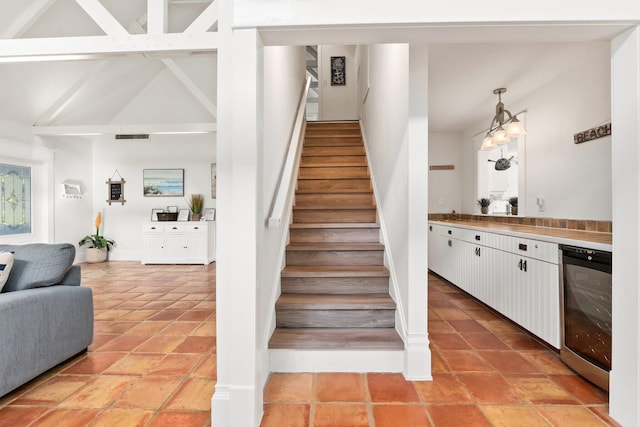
(593, 133)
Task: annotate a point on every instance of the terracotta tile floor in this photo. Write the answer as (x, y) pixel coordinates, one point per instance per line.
(486, 372)
(153, 364)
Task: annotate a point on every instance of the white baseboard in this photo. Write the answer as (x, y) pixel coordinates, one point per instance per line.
(336, 360)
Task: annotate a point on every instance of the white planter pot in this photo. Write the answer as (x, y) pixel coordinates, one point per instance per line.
(96, 255)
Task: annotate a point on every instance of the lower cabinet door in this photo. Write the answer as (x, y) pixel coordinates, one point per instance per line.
(153, 249)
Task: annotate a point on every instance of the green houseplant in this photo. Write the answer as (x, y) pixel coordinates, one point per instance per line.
(97, 245)
(484, 203)
(513, 202)
(195, 206)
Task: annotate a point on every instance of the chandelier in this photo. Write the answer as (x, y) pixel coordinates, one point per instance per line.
(502, 128)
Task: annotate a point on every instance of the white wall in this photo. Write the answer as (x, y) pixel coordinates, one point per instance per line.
(573, 179)
(91, 162)
(284, 79)
(337, 102)
(445, 186)
(394, 120)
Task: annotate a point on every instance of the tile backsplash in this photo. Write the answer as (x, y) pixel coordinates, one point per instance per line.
(569, 224)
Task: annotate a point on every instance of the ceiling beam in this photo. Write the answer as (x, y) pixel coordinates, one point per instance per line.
(26, 20)
(205, 20)
(140, 128)
(151, 84)
(102, 17)
(157, 16)
(47, 49)
(191, 86)
(70, 94)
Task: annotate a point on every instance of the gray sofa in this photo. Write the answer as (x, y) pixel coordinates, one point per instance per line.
(46, 317)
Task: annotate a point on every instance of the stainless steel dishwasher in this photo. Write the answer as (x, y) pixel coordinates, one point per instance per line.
(586, 313)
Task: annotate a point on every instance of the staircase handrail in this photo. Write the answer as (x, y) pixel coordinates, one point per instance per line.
(291, 163)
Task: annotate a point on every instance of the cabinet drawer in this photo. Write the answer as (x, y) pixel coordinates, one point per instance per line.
(152, 228)
(196, 227)
(175, 228)
(536, 249)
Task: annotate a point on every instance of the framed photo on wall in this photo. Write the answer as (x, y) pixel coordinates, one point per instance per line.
(163, 182)
(338, 71)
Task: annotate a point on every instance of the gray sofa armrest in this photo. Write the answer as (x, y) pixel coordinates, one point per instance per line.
(73, 277)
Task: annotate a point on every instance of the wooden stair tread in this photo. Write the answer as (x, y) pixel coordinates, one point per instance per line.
(336, 339)
(337, 246)
(336, 271)
(334, 225)
(335, 302)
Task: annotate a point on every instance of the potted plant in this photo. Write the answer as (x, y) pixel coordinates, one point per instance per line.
(513, 201)
(97, 245)
(484, 204)
(195, 206)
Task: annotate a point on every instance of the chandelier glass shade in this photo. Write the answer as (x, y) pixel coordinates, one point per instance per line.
(504, 125)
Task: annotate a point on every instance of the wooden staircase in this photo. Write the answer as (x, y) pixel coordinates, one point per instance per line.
(335, 288)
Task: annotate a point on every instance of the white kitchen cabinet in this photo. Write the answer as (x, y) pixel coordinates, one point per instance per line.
(517, 277)
(172, 242)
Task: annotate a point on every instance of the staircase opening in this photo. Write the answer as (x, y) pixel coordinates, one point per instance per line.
(313, 99)
(335, 287)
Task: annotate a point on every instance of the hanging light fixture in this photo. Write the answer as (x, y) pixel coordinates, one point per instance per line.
(497, 134)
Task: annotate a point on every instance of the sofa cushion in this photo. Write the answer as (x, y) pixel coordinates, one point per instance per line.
(6, 263)
(38, 264)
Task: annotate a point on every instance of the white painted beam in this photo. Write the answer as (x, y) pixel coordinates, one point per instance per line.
(102, 17)
(26, 20)
(191, 86)
(184, 79)
(152, 84)
(70, 94)
(19, 50)
(205, 21)
(157, 16)
(153, 129)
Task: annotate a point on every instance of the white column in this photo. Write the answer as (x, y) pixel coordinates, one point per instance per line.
(625, 118)
(237, 400)
(417, 363)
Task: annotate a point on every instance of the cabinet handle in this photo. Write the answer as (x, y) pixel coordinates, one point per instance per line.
(196, 228)
(478, 251)
(520, 265)
(153, 228)
(430, 228)
(448, 231)
(522, 246)
(174, 228)
(478, 237)
(449, 243)
(524, 266)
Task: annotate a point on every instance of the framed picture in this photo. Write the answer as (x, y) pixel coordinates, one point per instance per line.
(163, 182)
(154, 214)
(171, 209)
(213, 180)
(210, 214)
(338, 71)
(183, 215)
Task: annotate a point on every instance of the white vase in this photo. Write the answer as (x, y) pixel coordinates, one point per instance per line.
(96, 255)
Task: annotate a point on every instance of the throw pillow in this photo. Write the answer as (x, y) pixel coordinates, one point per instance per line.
(6, 263)
(38, 264)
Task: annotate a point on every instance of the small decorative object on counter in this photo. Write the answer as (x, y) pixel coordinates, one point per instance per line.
(195, 206)
(484, 204)
(513, 202)
(97, 245)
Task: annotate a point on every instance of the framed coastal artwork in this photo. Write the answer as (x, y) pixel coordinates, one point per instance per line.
(163, 182)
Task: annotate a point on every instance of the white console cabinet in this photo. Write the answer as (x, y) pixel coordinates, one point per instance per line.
(174, 242)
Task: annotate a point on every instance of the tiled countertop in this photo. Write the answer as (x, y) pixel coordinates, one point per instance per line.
(587, 239)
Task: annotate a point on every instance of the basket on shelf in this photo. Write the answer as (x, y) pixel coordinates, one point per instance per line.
(167, 216)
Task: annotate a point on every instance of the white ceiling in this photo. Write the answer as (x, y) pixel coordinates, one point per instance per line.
(462, 75)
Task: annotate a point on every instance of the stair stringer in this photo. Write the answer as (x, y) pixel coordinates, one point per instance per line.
(276, 286)
(401, 326)
(415, 347)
